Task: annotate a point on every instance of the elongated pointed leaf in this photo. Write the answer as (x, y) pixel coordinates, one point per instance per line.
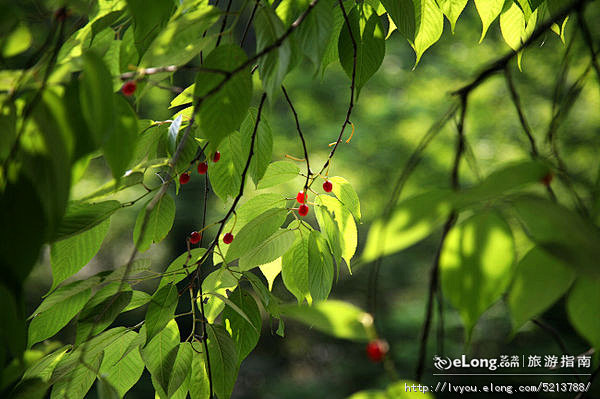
(158, 223)
(223, 360)
(161, 310)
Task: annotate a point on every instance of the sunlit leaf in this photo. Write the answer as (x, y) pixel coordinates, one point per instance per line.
(583, 306)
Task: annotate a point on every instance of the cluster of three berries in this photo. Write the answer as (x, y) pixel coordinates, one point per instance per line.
(301, 198)
(184, 178)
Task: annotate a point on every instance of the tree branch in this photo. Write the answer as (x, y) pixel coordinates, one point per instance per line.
(308, 171)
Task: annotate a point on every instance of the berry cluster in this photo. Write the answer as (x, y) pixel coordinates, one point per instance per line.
(302, 196)
(184, 178)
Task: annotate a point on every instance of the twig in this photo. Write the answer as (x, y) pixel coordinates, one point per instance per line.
(501, 63)
(517, 103)
(308, 171)
(223, 24)
(256, 2)
(581, 394)
(352, 88)
(587, 37)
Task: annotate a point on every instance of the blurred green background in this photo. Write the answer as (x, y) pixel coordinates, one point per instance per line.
(394, 111)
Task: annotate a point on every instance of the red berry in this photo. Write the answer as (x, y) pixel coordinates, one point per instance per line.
(129, 87)
(327, 186)
(228, 238)
(202, 168)
(546, 180)
(303, 210)
(377, 349)
(195, 237)
(301, 198)
(217, 156)
(184, 178)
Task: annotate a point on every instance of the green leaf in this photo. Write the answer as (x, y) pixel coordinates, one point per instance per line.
(331, 53)
(17, 41)
(336, 318)
(256, 232)
(129, 180)
(275, 65)
(45, 366)
(185, 97)
(223, 360)
(320, 267)
(411, 221)
(226, 175)
(181, 368)
(220, 281)
(161, 310)
(79, 381)
(183, 37)
(176, 270)
(583, 306)
(502, 182)
(19, 249)
(268, 250)
(122, 372)
(314, 32)
(221, 114)
(173, 132)
(160, 354)
(345, 225)
(421, 22)
(512, 25)
(294, 267)
(68, 256)
(476, 264)
(138, 299)
(128, 270)
(102, 309)
(452, 10)
(87, 353)
(561, 232)
(58, 309)
(148, 21)
(81, 216)
(253, 208)
(199, 383)
(346, 194)
(263, 144)
(540, 280)
(158, 225)
(367, 32)
(271, 270)
(245, 331)
(488, 11)
(119, 146)
(279, 172)
(96, 96)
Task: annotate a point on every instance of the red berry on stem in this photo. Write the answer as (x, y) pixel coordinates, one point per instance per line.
(327, 186)
(217, 156)
(195, 237)
(547, 179)
(303, 210)
(377, 349)
(184, 178)
(202, 168)
(301, 198)
(129, 87)
(228, 238)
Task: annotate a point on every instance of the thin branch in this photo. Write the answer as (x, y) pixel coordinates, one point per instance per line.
(352, 88)
(581, 394)
(516, 99)
(223, 24)
(587, 37)
(308, 171)
(139, 73)
(433, 288)
(501, 63)
(256, 2)
(434, 283)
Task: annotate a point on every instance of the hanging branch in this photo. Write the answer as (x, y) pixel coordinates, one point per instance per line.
(516, 99)
(352, 88)
(587, 37)
(308, 171)
(256, 2)
(224, 23)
